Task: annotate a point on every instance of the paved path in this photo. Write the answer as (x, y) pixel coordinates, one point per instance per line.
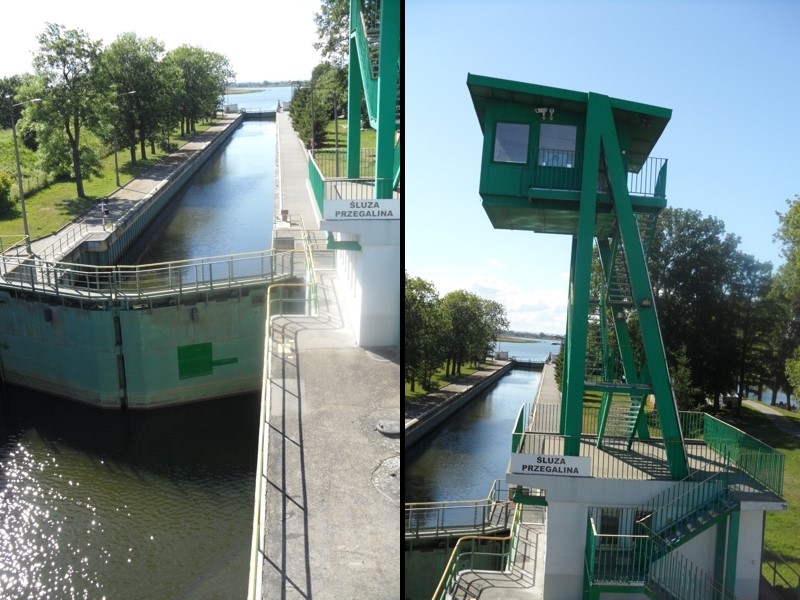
(332, 480)
(417, 407)
(778, 419)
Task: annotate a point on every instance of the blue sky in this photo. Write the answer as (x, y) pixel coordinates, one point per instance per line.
(729, 70)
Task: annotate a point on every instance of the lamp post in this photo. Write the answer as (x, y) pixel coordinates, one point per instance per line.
(19, 170)
(116, 166)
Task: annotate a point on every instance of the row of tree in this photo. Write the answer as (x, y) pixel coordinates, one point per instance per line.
(127, 94)
(452, 330)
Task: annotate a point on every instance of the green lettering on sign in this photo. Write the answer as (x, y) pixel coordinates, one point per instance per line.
(196, 361)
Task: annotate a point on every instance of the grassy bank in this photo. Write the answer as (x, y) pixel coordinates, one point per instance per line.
(783, 528)
(439, 380)
(53, 207)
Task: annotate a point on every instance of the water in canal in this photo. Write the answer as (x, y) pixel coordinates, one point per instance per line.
(157, 504)
(466, 454)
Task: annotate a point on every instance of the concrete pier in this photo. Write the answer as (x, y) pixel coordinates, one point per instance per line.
(330, 481)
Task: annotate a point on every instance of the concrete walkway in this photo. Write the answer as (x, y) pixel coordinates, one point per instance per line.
(778, 419)
(332, 484)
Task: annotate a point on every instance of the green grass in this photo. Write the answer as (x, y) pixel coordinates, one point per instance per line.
(439, 380)
(53, 207)
(783, 528)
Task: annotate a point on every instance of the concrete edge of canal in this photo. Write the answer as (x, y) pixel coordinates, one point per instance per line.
(449, 399)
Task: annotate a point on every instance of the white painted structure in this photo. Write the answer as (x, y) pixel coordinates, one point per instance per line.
(373, 278)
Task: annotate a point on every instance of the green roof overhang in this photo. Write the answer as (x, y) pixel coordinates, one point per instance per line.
(645, 122)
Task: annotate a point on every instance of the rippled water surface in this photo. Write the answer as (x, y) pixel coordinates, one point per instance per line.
(139, 505)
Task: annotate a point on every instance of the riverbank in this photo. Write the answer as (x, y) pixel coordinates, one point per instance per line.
(424, 413)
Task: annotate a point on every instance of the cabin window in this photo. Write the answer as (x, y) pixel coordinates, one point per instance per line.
(511, 142)
(557, 145)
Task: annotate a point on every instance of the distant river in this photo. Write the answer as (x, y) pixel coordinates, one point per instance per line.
(530, 350)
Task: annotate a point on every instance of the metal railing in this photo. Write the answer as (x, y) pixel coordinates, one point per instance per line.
(632, 559)
(562, 170)
(459, 517)
(66, 240)
(333, 163)
(140, 282)
(712, 443)
(761, 462)
(465, 556)
(257, 553)
(779, 573)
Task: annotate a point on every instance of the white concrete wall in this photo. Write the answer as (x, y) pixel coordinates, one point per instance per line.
(748, 554)
(373, 279)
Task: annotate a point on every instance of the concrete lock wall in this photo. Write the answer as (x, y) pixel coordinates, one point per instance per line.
(143, 358)
(54, 349)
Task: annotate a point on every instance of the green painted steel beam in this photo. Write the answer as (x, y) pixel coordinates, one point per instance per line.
(641, 287)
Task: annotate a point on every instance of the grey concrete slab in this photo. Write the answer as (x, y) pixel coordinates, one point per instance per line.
(332, 526)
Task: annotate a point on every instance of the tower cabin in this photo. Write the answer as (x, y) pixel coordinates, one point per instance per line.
(642, 499)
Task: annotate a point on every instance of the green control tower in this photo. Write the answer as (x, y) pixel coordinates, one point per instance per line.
(573, 163)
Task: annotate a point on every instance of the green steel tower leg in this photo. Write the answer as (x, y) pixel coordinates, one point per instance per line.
(580, 280)
(354, 88)
(599, 113)
(387, 97)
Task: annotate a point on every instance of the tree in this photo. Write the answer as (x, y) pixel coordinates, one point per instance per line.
(749, 288)
(692, 271)
(67, 74)
(204, 75)
(132, 65)
(424, 329)
(333, 30)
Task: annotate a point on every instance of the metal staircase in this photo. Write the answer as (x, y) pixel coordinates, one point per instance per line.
(621, 415)
(661, 526)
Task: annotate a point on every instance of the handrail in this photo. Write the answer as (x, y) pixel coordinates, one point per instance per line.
(449, 574)
(754, 457)
(68, 241)
(259, 508)
(457, 517)
(772, 561)
(557, 169)
(139, 282)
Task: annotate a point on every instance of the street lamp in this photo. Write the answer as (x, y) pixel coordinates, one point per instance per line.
(19, 170)
(116, 166)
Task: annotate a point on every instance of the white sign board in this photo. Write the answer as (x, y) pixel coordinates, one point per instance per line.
(337, 210)
(551, 464)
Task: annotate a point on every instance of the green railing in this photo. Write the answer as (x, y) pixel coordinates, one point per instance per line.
(762, 463)
(333, 163)
(616, 558)
(465, 555)
(675, 576)
(519, 428)
(317, 183)
(646, 560)
(562, 170)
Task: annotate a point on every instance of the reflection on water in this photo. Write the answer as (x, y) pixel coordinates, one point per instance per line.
(97, 503)
(467, 453)
(226, 209)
